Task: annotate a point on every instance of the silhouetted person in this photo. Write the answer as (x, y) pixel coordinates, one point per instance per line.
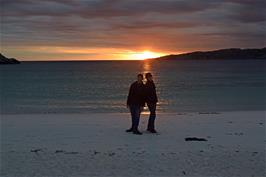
(151, 100)
(136, 102)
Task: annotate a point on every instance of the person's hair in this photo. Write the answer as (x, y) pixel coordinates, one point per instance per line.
(140, 75)
(148, 75)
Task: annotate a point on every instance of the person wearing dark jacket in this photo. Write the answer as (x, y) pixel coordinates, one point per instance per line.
(135, 103)
(151, 100)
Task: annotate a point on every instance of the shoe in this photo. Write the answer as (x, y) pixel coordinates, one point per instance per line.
(136, 132)
(152, 130)
(129, 130)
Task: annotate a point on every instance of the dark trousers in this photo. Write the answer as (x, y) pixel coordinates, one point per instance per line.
(152, 109)
(135, 111)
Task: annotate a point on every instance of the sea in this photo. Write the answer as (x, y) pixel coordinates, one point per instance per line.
(102, 86)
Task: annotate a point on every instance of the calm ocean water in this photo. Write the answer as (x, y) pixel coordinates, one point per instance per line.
(86, 87)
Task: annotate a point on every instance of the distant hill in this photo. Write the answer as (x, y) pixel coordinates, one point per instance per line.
(223, 54)
(5, 60)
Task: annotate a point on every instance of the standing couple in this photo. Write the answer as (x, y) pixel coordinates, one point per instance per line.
(139, 94)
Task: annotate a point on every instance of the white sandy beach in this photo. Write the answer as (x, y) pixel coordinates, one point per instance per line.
(97, 145)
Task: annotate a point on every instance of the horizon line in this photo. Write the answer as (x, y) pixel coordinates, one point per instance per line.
(90, 60)
(169, 54)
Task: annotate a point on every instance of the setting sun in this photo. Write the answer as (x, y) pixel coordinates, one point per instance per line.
(144, 55)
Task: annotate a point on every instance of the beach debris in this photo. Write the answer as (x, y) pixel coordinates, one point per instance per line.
(195, 139)
(261, 123)
(96, 152)
(36, 150)
(59, 151)
(184, 173)
(230, 122)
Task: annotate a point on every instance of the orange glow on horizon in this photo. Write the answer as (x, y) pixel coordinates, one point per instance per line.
(50, 53)
(143, 55)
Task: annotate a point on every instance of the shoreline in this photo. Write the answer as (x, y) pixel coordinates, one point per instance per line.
(146, 112)
(97, 145)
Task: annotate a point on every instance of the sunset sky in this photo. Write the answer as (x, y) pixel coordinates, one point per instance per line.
(127, 29)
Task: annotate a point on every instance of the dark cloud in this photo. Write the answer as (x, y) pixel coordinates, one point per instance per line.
(101, 8)
(249, 13)
(167, 25)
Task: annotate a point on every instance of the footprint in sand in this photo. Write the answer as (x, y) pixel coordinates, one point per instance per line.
(254, 153)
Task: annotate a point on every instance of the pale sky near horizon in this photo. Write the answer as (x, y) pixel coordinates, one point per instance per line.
(127, 29)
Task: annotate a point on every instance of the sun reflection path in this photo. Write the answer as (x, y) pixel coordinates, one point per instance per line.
(146, 66)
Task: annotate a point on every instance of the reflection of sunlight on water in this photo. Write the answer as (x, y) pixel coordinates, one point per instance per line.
(145, 112)
(146, 66)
